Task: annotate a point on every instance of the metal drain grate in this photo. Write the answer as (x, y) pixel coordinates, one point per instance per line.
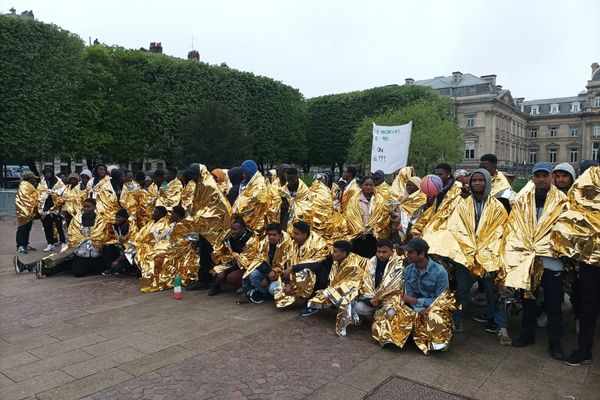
(397, 387)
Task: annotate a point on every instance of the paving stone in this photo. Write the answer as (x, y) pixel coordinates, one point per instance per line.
(103, 362)
(47, 364)
(156, 360)
(34, 385)
(5, 380)
(85, 386)
(67, 345)
(16, 359)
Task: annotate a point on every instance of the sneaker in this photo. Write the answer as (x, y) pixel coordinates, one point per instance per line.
(556, 351)
(256, 297)
(62, 246)
(480, 318)
(542, 320)
(439, 346)
(457, 327)
(503, 337)
(110, 272)
(214, 290)
(197, 286)
(523, 340)
(491, 327)
(39, 270)
(31, 248)
(307, 311)
(48, 248)
(22, 250)
(19, 266)
(479, 300)
(579, 357)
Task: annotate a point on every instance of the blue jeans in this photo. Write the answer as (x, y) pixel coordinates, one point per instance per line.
(256, 277)
(464, 282)
(488, 289)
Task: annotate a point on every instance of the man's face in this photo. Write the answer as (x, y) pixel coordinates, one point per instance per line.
(156, 215)
(119, 220)
(48, 174)
(338, 255)
(128, 177)
(88, 208)
(488, 166)
(384, 253)
(563, 180)
(274, 237)
(463, 179)
(101, 171)
(477, 183)
(346, 175)
(291, 179)
(85, 179)
(175, 217)
(413, 256)
(377, 179)
(158, 180)
(299, 237)
(73, 181)
(542, 180)
(411, 187)
(443, 175)
(237, 230)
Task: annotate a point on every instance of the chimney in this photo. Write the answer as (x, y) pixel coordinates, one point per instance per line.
(489, 78)
(595, 67)
(520, 102)
(156, 47)
(499, 87)
(193, 55)
(409, 81)
(456, 76)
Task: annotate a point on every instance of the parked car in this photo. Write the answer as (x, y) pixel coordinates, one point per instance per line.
(13, 175)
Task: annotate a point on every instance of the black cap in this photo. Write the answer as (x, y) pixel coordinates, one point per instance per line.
(416, 244)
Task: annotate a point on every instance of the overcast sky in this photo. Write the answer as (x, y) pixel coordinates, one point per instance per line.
(538, 49)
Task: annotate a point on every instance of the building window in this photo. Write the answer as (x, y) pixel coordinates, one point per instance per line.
(552, 132)
(574, 155)
(148, 166)
(554, 109)
(575, 107)
(596, 131)
(160, 165)
(533, 133)
(470, 121)
(535, 110)
(469, 151)
(596, 151)
(552, 155)
(532, 157)
(574, 131)
(597, 102)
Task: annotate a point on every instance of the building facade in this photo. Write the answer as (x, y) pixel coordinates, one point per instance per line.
(521, 132)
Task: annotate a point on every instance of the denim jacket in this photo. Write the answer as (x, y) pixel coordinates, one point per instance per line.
(425, 286)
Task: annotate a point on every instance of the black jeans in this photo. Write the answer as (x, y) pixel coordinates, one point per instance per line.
(23, 232)
(589, 287)
(78, 266)
(48, 222)
(552, 283)
(205, 250)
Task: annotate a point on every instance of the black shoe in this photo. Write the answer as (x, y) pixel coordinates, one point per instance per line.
(307, 311)
(214, 289)
(197, 286)
(40, 270)
(110, 272)
(556, 351)
(523, 340)
(491, 327)
(482, 319)
(19, 266)
(579, 357)
(256, 297)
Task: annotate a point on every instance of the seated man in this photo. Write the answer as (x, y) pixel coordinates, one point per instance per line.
(426, 293)
(83, 254)
(274, 253)
(307, 270)
(113, 254)
(233, 257)
(345, 278)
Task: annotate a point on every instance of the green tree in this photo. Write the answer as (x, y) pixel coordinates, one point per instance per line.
(214, 135)
(435, 134)
(41, 68)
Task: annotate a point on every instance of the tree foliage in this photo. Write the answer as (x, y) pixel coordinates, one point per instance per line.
(215, 134)
(435, 134)
(332, 119)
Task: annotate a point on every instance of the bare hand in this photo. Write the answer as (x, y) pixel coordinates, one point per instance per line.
(409, 300)
(288, 289)
(374, 302)
(272, 276)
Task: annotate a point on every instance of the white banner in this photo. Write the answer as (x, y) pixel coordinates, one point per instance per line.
(389, 151)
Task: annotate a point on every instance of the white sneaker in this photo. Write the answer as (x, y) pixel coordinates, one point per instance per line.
(503, 337)
(542, 320)
(62, 246)
(49, 248)
(22, 250)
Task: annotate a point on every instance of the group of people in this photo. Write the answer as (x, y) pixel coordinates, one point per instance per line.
(405, 256)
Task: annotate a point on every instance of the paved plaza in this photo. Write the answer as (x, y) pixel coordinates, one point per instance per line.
(100, 338)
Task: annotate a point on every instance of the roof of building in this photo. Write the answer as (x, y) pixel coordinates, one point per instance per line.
(441, 82)
(579, 98)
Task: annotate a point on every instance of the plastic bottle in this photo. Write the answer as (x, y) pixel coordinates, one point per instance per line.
(177, 288)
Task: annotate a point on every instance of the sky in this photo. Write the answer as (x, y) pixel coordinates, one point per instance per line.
(538, 49)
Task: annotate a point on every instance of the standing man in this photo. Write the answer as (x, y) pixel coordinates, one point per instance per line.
(501, 188)
(350, 189)
(26, 206)
(169, 191)
(51, 189)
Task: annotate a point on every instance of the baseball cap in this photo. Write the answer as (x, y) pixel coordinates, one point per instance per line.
(416, 244)
(542, 166)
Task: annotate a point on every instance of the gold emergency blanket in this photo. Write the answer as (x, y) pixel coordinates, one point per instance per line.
(252, 204)
(78, 234)
(327, 222)
(527, 238)
(379, 218)
(432, 219)
(187, 195)
(576, 234)
(211, 212)
(26, 203)
(180, 258)
(399, 185)
(412, 202)
(56, 193)
(384, 190)
(107, 203)
(345, 280)
(300, 205)
(114, 237)
(137, 202)
(314, 250)
(273, 201)
(499, 183)
(225, 257)
(435, 331)
(169, 194)
(73, 198)
(478, 249)
(281, 258)
(350, 191)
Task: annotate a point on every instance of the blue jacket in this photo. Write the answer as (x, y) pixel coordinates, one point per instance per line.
(425, 285)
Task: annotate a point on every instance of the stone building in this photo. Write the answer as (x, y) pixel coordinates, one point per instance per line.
(521, 132)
